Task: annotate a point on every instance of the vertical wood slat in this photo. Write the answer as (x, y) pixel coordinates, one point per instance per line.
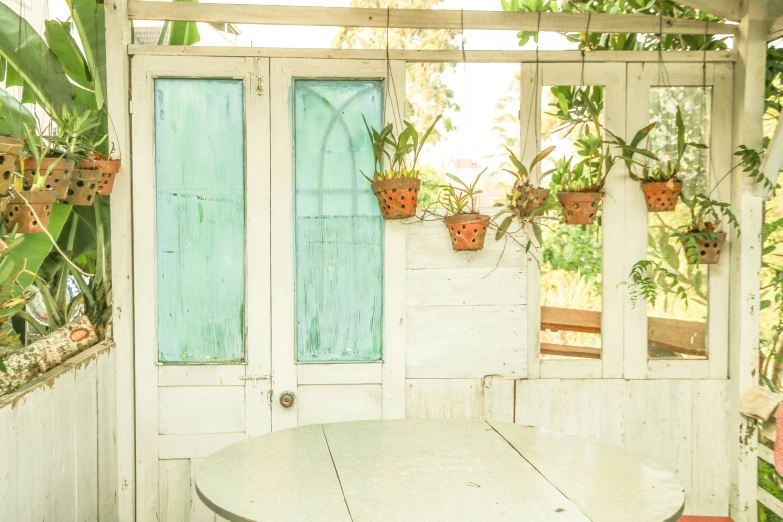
(9, 455)
(86, 421)
(199, 512)
(174, 492)
(108, 433)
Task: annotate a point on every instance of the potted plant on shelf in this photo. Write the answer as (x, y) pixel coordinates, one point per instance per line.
(580, 185)
(661, 182)
(397, 186)
(702, 239)
(466, 225)
(30, 205)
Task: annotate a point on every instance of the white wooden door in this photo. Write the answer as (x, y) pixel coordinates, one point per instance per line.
(333, 390)
(202, 357)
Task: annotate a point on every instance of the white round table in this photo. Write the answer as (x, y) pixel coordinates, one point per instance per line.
(410, 470)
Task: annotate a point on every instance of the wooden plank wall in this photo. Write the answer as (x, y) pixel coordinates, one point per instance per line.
(58, 449)
(466, 359)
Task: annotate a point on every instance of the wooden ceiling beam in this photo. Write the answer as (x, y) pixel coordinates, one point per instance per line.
(418, 18)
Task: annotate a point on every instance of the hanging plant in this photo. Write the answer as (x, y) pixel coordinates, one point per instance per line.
(580, 185)
(661, 181)
(702, 239)
(526, 198)
(397, 186)
(466, 225)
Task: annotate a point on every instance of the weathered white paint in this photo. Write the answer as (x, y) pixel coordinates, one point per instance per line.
(58, 447)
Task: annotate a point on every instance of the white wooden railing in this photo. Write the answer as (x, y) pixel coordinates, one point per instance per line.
(767, 455)
(58, 453)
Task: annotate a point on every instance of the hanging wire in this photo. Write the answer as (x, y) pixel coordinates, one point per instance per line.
(467, 93)
(395, 101)
(587, 42)
(536, 95)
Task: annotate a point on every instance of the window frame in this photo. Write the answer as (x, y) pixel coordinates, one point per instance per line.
(613, 77)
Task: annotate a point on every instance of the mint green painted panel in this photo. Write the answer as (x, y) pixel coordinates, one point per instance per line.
(200, 207)
(339, 230)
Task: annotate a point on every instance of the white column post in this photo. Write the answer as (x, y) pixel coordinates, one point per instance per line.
(118, 37)
(749, 80)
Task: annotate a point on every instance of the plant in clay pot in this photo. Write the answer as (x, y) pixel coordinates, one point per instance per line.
(525, 199)
(580, 185)
(30, 206)
(76, 140)
(703, 239)
(10, 150)
(661, 181)
(397, 185)
(466, 226)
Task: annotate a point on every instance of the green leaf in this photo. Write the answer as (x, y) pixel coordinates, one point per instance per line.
(184, 33)
(67, 50)
(27, 53)
(503, 227)
(89, 18)
(13, 116)
(29, 252)
(639, 136)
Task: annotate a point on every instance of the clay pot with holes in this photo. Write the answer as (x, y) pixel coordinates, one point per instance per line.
(530, 199)
(397, 197)
(109, 169)
(83, 187)
(708, 247)
(661, 196)
(579, 208)
(57, 171)
(467, 230)
(30, 210)
(10, 150)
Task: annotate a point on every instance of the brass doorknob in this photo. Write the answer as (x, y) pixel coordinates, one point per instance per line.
(287, 399)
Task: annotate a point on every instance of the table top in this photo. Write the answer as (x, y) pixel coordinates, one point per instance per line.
(415, 470)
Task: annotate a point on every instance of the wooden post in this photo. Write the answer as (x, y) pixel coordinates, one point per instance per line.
(749, 78)
(118, 37)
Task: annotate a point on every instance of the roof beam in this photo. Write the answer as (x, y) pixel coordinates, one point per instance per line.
(728, 9)
(418, 18)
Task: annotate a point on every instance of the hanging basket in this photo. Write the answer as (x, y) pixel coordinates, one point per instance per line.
(397, 197)
(579, 208)
(59, 170)
(530, 199)
(661, 196)
(467, 230)
(29, 209)
(10, 150)
(707, 249)
(109, 169)
(82, 187)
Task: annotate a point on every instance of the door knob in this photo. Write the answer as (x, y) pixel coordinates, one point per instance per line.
(287, 399)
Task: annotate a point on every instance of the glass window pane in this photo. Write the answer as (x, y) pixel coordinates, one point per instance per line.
(676, 327)
(570, 254)
(200, 206)
(339, 230)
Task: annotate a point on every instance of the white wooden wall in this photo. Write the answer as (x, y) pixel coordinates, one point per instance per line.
(58, 453)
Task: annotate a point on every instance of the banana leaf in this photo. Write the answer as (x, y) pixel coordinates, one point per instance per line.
(29, 252)
(13, 116)
(63, 45)
(89, 17)
(184, 33)
(28, 55)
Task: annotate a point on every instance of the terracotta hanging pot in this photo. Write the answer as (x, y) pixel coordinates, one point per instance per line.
(530, 199)
(10, 150)
(109, 169)
(397, 197)
(59, 170)
(30, 209)
(579, 208)
(661, 196)
(708, 249)
(83, 187)
(467, 230)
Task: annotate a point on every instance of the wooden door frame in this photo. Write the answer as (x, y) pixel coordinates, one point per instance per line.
(286, 374)
(149, 374)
